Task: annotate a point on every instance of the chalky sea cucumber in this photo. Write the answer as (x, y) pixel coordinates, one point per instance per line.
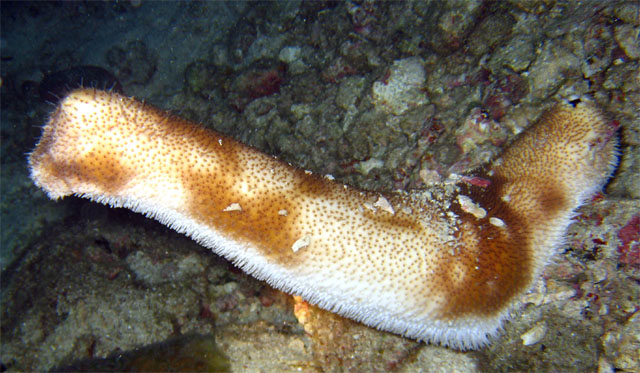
(442, 265)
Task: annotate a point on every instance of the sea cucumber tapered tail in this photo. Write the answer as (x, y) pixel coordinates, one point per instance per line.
(443, 265)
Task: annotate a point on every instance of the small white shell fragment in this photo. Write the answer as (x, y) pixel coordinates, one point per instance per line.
(301, 243)
(283, 212)
(369, 206)
(497, 222)
(535, 334)
(233, 207)
(220, 142)
(385, 205)
(470, 207)
(329, 177)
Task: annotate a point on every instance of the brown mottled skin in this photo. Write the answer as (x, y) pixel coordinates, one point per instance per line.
(418, 265)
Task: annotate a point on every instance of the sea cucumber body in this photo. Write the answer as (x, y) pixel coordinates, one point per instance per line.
(441, 265)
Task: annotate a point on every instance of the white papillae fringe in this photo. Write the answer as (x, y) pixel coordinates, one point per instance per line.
(460, 334)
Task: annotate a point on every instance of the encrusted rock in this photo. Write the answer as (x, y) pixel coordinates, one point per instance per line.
(401, 90)
(628, 38)
(622, 345)
(548, 71)
(516, 55)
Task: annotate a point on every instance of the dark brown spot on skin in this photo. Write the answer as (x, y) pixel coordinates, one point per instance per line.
(498, 268)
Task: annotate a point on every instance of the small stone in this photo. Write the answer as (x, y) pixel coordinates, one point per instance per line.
(384, 204)
(628, 38)
(497, 222)
(289, 54)
(535, 334)
(402, 88)
(429, 177)
(230, 287)
(297, 345)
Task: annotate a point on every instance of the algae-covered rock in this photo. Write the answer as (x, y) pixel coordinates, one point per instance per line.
(199, 78)
(550, 68)
(402, 89)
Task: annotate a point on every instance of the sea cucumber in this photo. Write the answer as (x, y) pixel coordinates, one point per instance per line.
(442, 265)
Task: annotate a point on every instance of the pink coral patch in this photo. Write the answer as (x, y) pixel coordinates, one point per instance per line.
(629, 247)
